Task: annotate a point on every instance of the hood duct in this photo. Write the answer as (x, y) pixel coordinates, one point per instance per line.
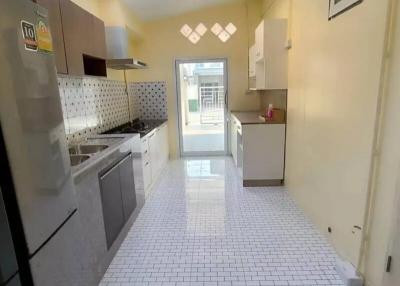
(117, 41)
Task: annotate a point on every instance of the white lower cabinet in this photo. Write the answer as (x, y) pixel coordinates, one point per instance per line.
(146, 175)
(153, 150)
(163, 138)
(263, 153)
(258, 151)
(234, 137)
(155, 155)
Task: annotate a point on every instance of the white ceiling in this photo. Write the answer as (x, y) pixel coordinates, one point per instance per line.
(149, 10)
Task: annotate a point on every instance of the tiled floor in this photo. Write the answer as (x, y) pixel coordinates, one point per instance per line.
(200, 227)
(203, 137)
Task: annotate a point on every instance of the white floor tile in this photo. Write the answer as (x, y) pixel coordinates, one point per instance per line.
(201, 227)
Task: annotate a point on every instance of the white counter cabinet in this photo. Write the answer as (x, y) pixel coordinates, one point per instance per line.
(155, 155)
(258, 150)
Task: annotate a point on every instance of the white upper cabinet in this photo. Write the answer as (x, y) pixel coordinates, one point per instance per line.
(269, 60)
(252, 61)
(259, 45)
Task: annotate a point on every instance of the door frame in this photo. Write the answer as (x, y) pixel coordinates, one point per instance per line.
(394, 239)
(178, 62)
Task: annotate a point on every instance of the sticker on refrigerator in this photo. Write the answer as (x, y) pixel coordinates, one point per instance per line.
(29, 34)
(45, 43)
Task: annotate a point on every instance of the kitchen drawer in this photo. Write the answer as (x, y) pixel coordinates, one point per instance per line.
(237, 125)
(146, 174)
(146, 155)
(145, 150)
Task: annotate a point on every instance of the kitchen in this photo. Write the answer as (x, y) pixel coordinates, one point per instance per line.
(146, 143)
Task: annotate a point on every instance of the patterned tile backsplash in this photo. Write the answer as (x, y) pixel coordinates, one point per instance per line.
(150, 99)
(93, 105)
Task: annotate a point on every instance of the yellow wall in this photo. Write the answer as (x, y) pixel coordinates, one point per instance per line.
(92, 6)
(334, 76)
(276, 9)
(162, 44)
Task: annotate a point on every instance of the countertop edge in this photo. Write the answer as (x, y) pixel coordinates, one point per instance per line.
(256, 121)
(85, 166)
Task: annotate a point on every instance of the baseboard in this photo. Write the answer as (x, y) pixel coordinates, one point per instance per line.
(262, 183)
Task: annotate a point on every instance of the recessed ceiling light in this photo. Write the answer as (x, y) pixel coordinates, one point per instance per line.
(217, 29)
(186, 30)
(201, 29)
(224, 36)
(231, 29)
(194, 37)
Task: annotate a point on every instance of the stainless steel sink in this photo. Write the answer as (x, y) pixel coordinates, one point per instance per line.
(86, 149)
(78, 159)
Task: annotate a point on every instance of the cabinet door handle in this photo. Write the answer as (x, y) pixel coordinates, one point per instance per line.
(125, 158)
(145, 152)
(108, 172)
(116, 166)
(147, 163)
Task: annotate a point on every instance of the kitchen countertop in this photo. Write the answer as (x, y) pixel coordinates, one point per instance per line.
(114, 141)
(253, 117)
(153, 124)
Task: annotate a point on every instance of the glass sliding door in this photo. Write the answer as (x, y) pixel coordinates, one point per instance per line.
(202, 104)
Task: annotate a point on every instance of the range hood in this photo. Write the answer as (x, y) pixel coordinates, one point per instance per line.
(118, 58)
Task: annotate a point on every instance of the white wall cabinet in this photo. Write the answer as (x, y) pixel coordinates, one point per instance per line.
(252, 61)
(155, 155)
(259, 42)
(270, 59)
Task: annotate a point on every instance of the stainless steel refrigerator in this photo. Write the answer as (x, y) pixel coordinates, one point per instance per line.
(48, 246)
(9, 271)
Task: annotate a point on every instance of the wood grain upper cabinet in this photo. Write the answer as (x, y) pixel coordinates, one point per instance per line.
(74, 26)
(98, 32)
(84, 34)
(53, 6)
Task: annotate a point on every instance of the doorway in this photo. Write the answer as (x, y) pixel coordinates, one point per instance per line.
(202, 106)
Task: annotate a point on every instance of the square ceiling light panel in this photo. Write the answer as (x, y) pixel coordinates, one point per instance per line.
(186, 30)
(217, 29)
(231, 29)
(224, 36)
(201, 29)
(194, 37)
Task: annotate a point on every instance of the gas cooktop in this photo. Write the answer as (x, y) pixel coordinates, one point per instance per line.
(143, 127)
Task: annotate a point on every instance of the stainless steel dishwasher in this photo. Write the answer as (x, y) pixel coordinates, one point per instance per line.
(118, 196)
